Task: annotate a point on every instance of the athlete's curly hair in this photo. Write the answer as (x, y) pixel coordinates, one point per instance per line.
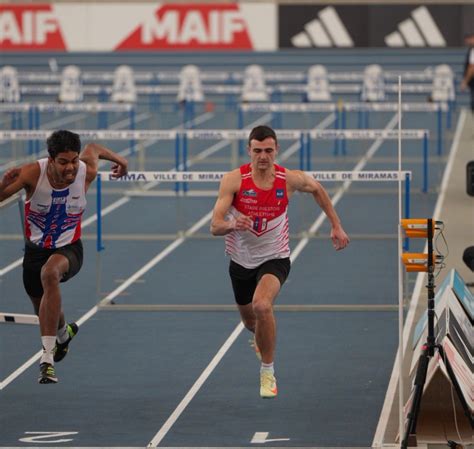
(261, 133)
(62, 141)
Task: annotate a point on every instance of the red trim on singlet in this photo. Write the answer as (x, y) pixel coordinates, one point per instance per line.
(27, 224)
(77, 233)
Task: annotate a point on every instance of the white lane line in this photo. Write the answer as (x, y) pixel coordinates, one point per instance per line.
(196, 387)
(392, 389)
(11, 266)
(155, 441)
(20, 370)
(449, 165)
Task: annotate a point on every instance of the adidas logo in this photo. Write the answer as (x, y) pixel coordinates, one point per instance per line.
(418, 31)
(325, 31)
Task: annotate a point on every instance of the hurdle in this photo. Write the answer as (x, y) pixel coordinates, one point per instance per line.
(438, 108)
(10, 317)
(87, 107)
(181, 139)
(341, 110)
(232, 79)
(426, 74)
(305, 138)
(18, 318)
(183, 177)
(130, 135)
(16, 110)
(34, 111)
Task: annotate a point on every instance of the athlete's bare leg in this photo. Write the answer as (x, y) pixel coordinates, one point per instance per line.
(50, 311)
(265, 328)
(248, 316)
(36, 305)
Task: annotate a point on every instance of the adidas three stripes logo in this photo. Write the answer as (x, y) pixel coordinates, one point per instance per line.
(328, 30)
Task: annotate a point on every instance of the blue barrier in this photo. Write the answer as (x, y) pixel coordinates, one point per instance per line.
(308, 151)
(440, 131)
(240, 125)
(100, 247)
(184, 165)
(425, 163)
(343, 125)
(406, 243)
(30, 127)
(302, 151)
(177, 156)
(132, 127)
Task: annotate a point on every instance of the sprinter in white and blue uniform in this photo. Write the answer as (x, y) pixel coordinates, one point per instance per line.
(56, 189)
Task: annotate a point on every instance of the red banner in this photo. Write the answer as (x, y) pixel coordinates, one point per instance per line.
(191, 26)
(137, 26)
(29, 27)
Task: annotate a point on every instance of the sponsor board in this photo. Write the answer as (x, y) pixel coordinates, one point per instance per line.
(32, 27)
(343, 26)
(138, 26)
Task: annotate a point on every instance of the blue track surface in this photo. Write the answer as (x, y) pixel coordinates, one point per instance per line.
(128, 370)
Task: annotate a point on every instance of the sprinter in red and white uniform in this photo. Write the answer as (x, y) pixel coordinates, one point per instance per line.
(252, 212)
(55, 201)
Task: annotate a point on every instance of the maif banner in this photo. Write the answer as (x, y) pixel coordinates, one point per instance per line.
(138, 26)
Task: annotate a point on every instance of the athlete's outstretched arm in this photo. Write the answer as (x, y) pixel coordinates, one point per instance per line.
(300, 181)
(229, 186)
(91, 155)
(18, 178)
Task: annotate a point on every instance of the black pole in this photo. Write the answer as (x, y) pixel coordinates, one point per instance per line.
(431, 290)
(428, 349)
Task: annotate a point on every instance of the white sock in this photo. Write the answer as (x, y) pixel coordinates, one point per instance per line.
(49, 342)
(268, 367)
(62, 334)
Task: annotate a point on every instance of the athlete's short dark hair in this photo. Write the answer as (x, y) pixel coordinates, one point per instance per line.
(62, 141)
(261, 133)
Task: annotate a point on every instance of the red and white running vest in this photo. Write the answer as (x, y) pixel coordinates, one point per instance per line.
(268, 209)
(52, 216)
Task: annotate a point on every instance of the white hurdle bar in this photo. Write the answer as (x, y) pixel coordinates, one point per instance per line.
(181, 150)
(222, 89)
(218, 134)
(34, 110)
(342, 108)
(185, 177)
(226, 76)
(18, 318)
(214, 176)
